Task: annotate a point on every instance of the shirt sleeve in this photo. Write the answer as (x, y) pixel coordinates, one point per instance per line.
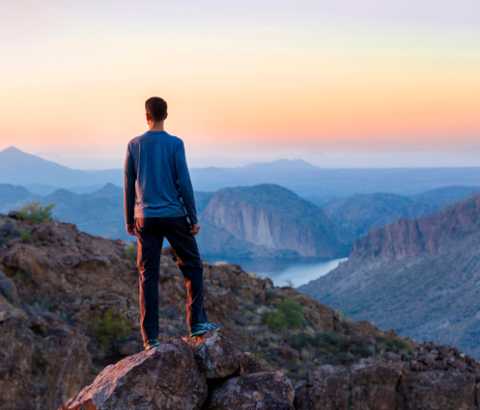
(129, 177)
(185, 184)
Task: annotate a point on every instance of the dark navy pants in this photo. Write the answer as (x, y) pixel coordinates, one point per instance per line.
(151, 232)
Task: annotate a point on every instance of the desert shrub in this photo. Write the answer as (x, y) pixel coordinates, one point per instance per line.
(26, 235)
(287, 315)
(111, 327)
(36, 213)
(131, 251)
(332, 340)
(277, 320)
(392, 344)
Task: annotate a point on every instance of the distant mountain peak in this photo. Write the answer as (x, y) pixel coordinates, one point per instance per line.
(293, 164)
(12, 150)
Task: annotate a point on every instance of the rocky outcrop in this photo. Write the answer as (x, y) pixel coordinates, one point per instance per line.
(173, 377)
(167, 377)
(276, 220)
(388, 383)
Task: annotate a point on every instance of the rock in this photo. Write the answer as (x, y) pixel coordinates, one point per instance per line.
(9, 290)
(166, 377)
(375, 384)
(288, 354)
(330, 388)
(214, 354)
(249, 363)
(268, 391)
(4, 315)
(437, 390)
(13, 214)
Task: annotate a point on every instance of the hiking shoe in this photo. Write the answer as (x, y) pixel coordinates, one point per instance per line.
(201, 328)
(150, 344)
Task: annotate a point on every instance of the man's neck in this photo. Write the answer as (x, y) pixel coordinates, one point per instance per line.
(156, 126)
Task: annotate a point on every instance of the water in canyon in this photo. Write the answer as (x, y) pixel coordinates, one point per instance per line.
(286, 272)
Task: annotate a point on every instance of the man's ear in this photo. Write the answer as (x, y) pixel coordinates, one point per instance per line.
(148, 117)
(166, 115)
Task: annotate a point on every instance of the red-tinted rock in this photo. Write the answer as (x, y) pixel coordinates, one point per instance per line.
(214, 354)
(256, 391)
(166, 378)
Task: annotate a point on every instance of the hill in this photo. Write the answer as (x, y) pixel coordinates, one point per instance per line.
(419, 277)
(14, 197)
(271, 220)
(69, 307)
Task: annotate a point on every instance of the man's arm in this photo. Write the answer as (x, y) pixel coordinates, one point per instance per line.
(129, 177)
(185, 184)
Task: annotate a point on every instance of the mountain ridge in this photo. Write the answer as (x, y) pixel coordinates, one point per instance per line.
(419, 277)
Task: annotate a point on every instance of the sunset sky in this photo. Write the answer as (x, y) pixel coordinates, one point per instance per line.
(244, 79)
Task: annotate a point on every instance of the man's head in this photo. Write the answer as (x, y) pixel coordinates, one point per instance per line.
(156, 109)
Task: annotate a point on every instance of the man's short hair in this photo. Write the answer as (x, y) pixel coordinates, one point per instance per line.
(156, 108)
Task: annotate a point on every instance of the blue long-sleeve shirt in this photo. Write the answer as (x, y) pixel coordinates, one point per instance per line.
(156, 161)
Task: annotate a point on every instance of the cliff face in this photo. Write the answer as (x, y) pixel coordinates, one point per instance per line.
(418, 277)
(407, 238)
(277, 220)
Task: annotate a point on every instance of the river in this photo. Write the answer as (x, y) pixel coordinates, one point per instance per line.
(283, 272)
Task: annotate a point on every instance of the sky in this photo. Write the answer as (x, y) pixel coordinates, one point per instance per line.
(338, 83)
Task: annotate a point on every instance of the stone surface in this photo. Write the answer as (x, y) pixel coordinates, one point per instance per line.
(166, 378)
(249, 363)
(437, 390)
(329, 389)
(256, 391)
(214, 354)
(375, 384)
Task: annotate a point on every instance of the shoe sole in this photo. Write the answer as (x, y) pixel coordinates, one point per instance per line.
(151, 347)
(202, 332)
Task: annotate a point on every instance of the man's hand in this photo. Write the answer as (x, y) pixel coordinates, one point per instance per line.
(131, 229)
(194, 229)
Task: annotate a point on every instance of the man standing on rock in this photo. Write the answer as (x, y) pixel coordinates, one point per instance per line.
(161, 205)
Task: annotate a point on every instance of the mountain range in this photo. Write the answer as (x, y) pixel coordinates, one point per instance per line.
(418, 276)
(306, 180)
(244, 222)
(359, 213)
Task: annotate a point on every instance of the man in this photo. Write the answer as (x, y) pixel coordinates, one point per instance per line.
(157, 208)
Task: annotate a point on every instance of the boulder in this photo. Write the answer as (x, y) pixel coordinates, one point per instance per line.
(166, 377)
(249, 363)
(329, 388)
(256, 391)
(214, 354)
(437, 390)
(375, 384)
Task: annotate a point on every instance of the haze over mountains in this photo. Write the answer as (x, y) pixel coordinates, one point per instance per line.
(306, 180)
(264, 220)
(418, 276)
